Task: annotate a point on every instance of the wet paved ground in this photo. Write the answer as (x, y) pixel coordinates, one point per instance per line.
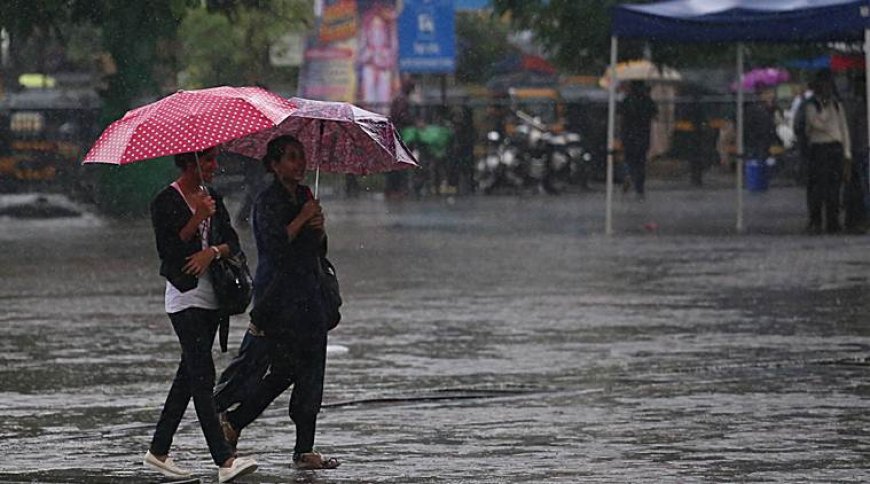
(488, 340)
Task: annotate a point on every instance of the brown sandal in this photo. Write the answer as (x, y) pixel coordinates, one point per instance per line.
(230, 434)
(314, 460)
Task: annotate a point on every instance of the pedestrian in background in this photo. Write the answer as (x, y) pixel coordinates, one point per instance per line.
(402, 117)
(192, 229)
(830, 153)
(253, 184)
(855, 186)
(797, 120)
(288, 309)
(760, 125)
(638, 110)
(699, 153)
(463, 148)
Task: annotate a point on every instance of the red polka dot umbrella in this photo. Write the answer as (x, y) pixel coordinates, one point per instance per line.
(188, 121)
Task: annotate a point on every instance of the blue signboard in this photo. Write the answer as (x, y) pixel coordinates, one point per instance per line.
(472, 4)
(427, 36)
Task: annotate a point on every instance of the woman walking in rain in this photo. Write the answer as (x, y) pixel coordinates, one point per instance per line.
(192, 229)
(289, 229)
(638, 112)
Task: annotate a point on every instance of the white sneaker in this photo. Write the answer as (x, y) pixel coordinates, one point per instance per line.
(241, 466)
(167, 467)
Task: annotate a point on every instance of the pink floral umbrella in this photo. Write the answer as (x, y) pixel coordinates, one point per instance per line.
(338, 137)
(762, 77)
(188, 121)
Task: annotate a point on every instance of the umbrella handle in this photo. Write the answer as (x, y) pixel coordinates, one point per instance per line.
(317, 171)
(199, 172)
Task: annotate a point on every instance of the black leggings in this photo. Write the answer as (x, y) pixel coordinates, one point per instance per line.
(297, 359)
(635, 160)
(824, 172)
(196, 329)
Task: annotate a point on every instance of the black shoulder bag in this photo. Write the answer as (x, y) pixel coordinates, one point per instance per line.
(232, 283)
(329, 292)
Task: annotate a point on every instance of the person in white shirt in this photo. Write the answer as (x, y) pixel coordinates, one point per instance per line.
(830, 154)
(192, 229)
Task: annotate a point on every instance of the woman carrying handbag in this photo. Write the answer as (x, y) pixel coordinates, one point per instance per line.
(291, 314)
(192, 229)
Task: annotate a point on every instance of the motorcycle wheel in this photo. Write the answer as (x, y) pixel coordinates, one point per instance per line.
(554, 182)
(486, 182)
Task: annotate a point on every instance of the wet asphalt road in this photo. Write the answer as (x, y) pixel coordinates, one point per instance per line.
(487, 340)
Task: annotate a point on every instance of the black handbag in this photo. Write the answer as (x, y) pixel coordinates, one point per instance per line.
(330, 293)
(232, 283)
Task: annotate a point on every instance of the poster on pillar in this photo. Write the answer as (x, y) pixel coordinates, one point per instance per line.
(427, 37)
(377, 54)
(328, 73)
(352, 56)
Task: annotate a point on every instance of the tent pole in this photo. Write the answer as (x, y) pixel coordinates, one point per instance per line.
(740, 160)
(865, 152)
(611, 122)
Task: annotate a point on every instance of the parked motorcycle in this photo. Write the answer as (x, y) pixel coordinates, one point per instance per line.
(499, 166)
(568, 164)
(533, 157)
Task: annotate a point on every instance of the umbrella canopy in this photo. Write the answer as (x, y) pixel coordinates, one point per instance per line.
(338, 137)
(641, 70)
(742, 20)
(762, 77)
(524, 62)
(188, 121)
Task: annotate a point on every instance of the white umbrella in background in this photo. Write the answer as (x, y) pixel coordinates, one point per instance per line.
(641, 70)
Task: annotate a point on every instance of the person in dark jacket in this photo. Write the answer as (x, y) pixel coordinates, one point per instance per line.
(638, 111)
(192, 229)
(288, 309)
(760, 125)
(855, 186)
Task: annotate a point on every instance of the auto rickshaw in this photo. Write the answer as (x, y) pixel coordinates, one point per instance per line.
(43, 135)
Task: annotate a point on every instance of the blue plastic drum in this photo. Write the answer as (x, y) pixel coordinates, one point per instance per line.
(756, 175)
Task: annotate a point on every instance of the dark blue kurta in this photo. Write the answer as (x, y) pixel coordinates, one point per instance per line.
(286, 280)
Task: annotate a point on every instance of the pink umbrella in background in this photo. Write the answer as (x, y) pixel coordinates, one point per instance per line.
(762, 77)
(188, 121)
(338, 137)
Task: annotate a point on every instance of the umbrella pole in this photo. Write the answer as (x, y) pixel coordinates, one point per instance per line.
(866, 97)
(611, 134)
(199, 172)
(740, 160)
(317, 170)
(316, 180)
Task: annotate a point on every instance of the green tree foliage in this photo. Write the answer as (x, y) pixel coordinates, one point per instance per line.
(228, 43)
(576, 32)
(220, 42)
(23, 20)
(481, 41)
(132, 32)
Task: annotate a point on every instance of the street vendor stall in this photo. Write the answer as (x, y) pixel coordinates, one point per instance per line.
(738, 21)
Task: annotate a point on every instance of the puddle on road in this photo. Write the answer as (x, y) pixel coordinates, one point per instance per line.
(468, 353)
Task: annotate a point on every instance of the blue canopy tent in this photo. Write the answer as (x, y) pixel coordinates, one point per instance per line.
(709, 21)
